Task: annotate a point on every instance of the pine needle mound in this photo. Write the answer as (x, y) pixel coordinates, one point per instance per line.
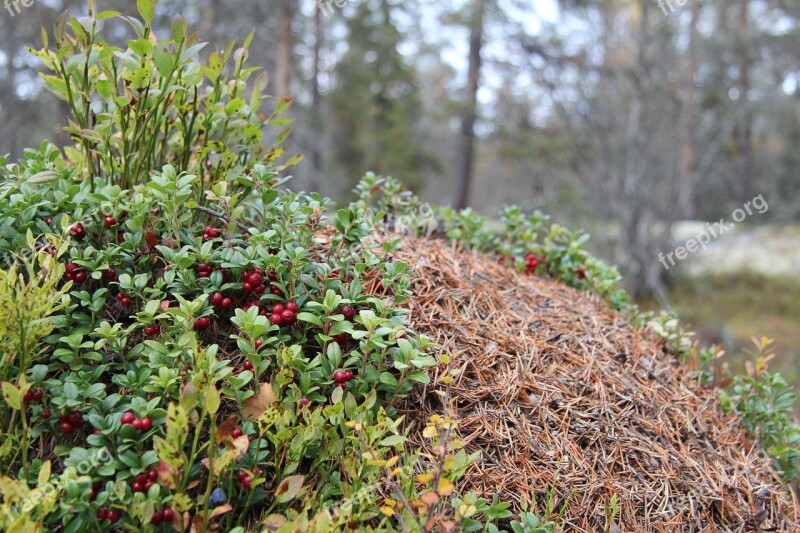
(567, 401)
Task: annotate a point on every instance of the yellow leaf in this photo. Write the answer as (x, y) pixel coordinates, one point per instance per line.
(386, 510)
(257, 405)
(424, 478)
(44, 474)
(446, 487)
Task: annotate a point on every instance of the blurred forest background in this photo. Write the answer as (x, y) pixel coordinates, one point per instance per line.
(629, 118)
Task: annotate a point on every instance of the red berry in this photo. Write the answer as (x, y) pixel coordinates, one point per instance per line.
(258, 343)
(303, 401)
(255, 279)
(110, 275)
(76, 419)
(258, 290)
(114, 515)
(247, 287)
(48, 221)
(137, 487)
(77, 231)
(156, 520)
(277, 309)
(102, 514)
(292, 306)
(274, 289)
(27, 397)
(348, 375)
(140, 478)
(276, 320)
(340, 339)
(63, 417)
(288, 317)
(339, 376)
(66, 428)
(581, 273)
(202, 323)
(246, 482)
(45, 414)
(272, 275)
(167, 514)
(110, 221)
(236, 433)
(147, 485)
(248, 365)
(217, 298)
(348, 312)
(152, 474)
(38, 394)
(127, 418)
(80, 277)
(147, 423)
(137, 424)
(226, 303)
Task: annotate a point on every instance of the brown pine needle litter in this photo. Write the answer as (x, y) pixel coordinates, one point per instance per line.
(567, 401)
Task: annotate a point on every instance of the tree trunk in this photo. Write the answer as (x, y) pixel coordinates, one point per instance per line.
(316, 105)
(466, 143)
(283, 61)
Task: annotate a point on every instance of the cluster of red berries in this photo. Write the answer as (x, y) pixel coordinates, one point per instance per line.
(253, 281)
(34, 396)
(109, 221)
(112, 515)
(244, 478)
(152, 331)
(140, 424)
(70, 422)
(204, 270)
(341, 377)
(202, 323)
(210, 233)
(142, 482)
(531, 262)
(220, 300)
(165, 515)
(284, 315)
(124, 299)
(78, 231)
(75, 273)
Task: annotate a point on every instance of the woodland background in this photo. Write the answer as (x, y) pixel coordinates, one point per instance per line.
(624, 117)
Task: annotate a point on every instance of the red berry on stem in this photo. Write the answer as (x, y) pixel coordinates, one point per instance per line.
(152, 474)
(137, 424)
(248, 365)
(348, 312)
(156, 519)
(236, 433)
(276, 320)
(277, 309)
(102, 514)
(292, 306)
(45, 414)
(226, 303)
(147, 423)
(80, 277)
(217, 298)
(38, 394)
(167, 514)
(348, 375)
(140, 478)
(147, 485)
(127, 418)
(137, 487)
(66, 428)
(288, 317)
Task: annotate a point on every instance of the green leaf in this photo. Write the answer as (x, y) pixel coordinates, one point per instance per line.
(12, 395)
(147, 9)
(394, 440)
(212, 399)
(388, 379)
